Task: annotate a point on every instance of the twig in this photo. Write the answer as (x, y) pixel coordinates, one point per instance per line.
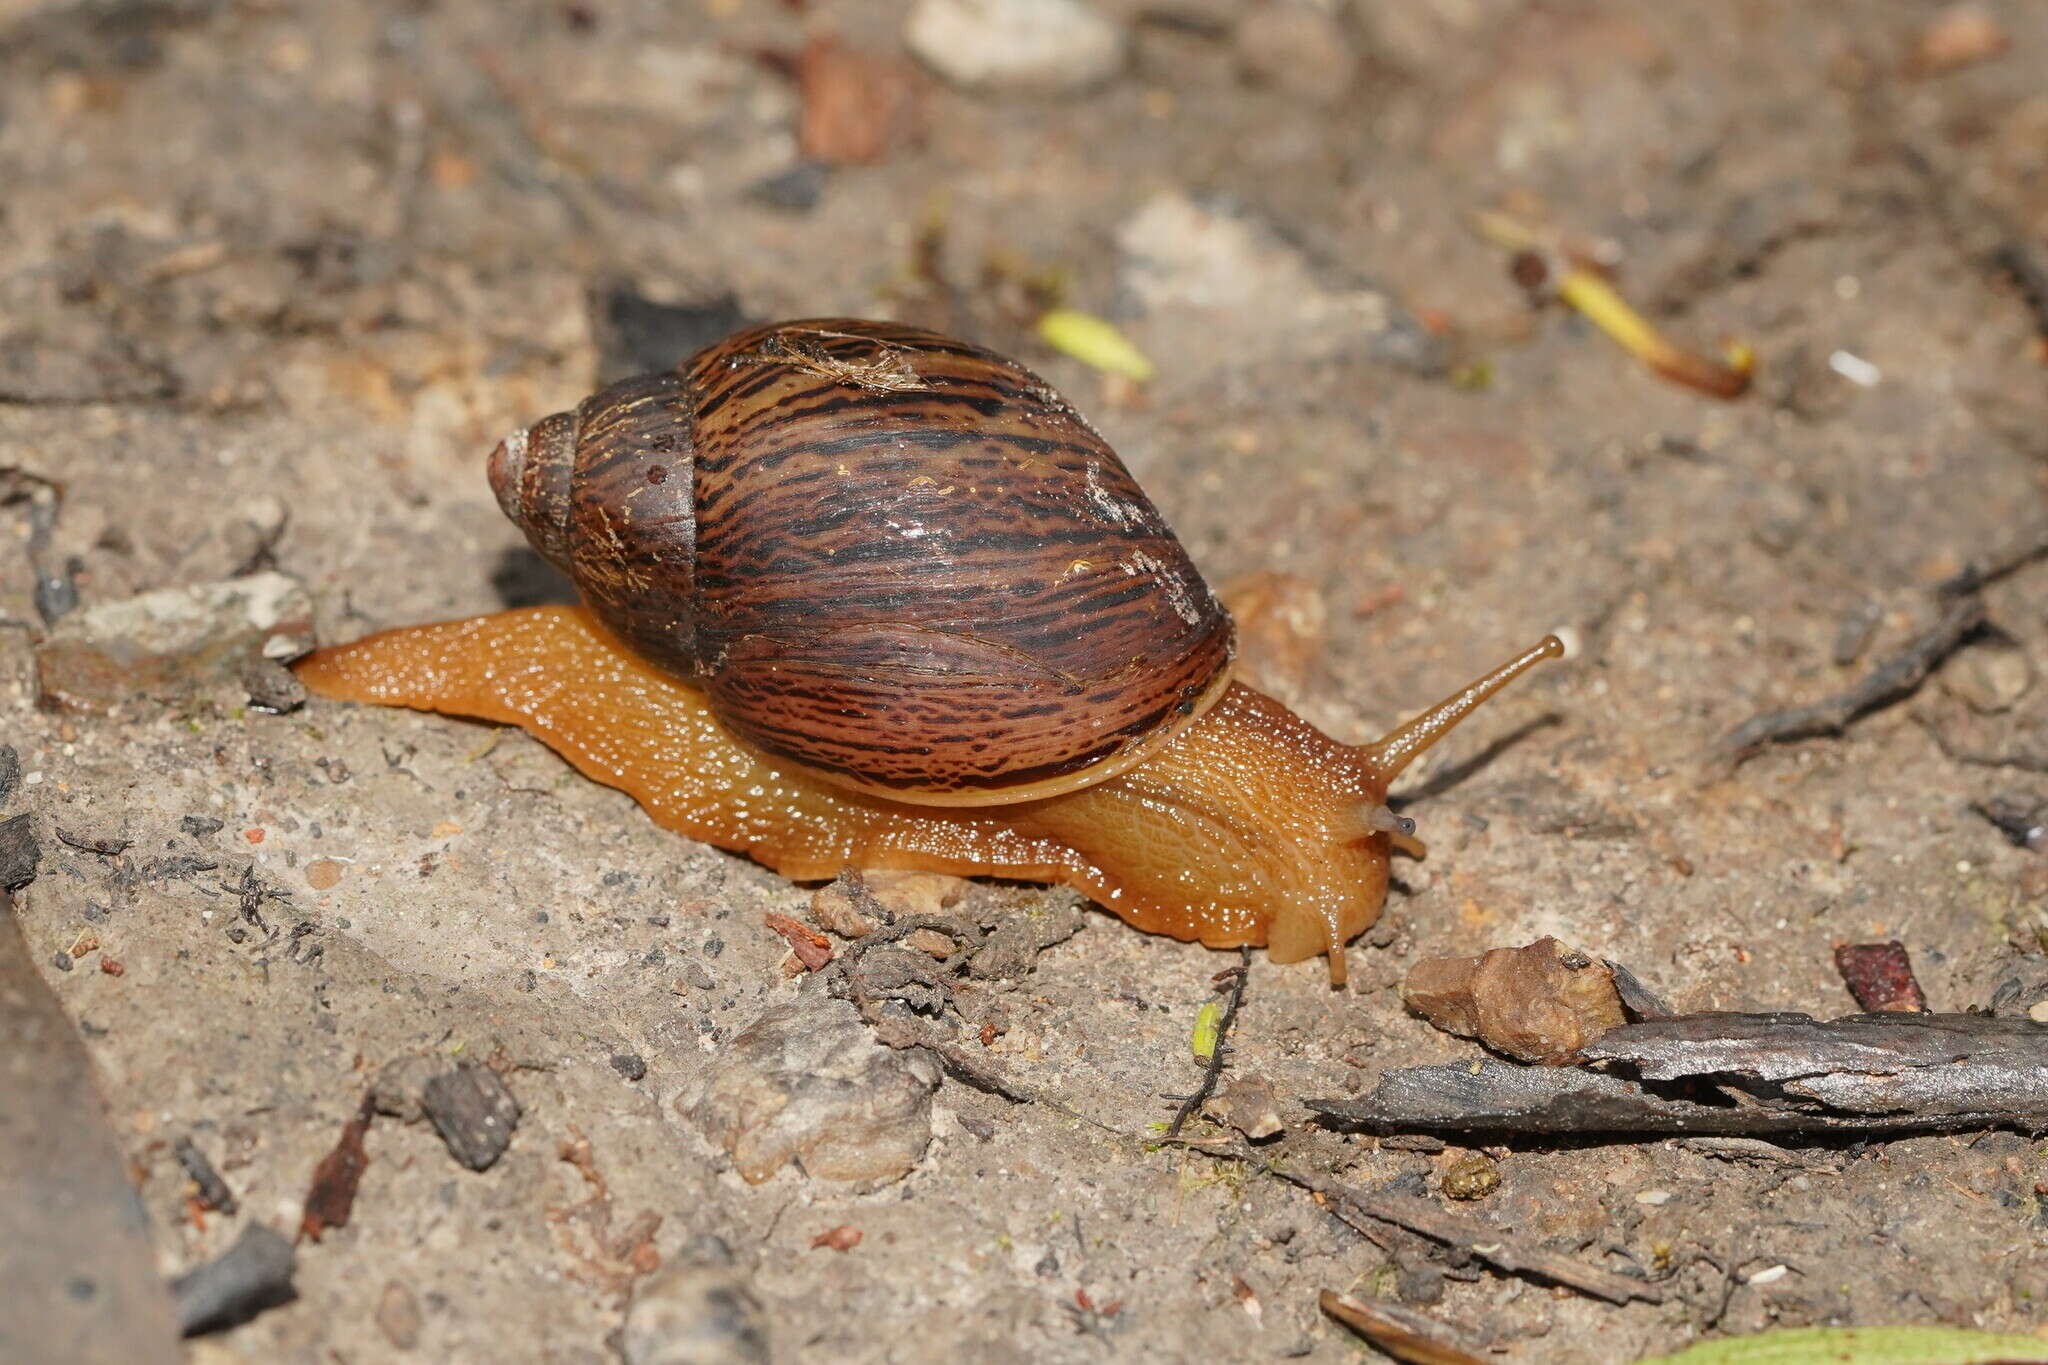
(1737, 1075)
(1217, 1059)
(1895, 678)
(1404, 1333)
(1501, 1250)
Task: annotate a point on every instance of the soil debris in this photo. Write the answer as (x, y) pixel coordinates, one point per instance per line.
(858, 107)
(332, 1196)
(841, 1238)
(811, 948)
(172, 644)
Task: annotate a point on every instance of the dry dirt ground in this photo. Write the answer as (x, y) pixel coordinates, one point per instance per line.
(266, 260)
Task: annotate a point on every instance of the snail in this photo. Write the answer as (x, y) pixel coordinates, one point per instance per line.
(854, 593)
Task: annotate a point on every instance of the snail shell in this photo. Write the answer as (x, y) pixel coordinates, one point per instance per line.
(897, 559)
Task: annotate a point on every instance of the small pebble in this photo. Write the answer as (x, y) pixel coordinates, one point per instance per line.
(61, 960)
(1021, 46)
(629, 1066)
(1472, 1176)
(1989, 678)
(398, 1316)
(796, 190)
(2038, 1011)
(271, 686)
(1298, 47)
(10, 772)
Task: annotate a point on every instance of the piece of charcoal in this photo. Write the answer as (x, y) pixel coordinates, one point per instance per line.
(20, 852)
(474, 1113)
(213, 1191)
(250, 1276)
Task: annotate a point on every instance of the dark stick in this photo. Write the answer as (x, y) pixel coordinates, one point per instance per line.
(1895, 678)
(1737, 1074)
(1214, 1071)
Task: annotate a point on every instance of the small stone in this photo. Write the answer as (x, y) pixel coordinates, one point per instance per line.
(199, 826)
(271, 686)
(1989, 678)
(836, 910)
(1296, 46)
(1472, 1176)
(931, 941)
(858, 107)
(20, 852)
(1538, 1003)
(807, 1083)
(398, 1086)
(695, 1314)
(1016, 46)
(61, 960)
(916, 893)
(629, 1066)
(1961, 35)
(172, 644)
(1250, 1106)
(323, 873)
(796, 190)
(398, 1316)
(10, 772)
(474, 1113)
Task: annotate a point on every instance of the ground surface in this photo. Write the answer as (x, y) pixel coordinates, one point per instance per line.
(320, 257)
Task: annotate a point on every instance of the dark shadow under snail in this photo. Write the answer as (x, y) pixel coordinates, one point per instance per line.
(856, 593)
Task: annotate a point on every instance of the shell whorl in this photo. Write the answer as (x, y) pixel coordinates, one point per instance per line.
(900, 560)
(530, 472)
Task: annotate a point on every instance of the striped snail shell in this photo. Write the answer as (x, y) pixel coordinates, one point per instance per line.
(899, 560)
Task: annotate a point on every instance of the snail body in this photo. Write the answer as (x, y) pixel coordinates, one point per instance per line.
(858, 594)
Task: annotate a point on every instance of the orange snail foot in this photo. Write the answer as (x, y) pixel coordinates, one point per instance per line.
(556, 674)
